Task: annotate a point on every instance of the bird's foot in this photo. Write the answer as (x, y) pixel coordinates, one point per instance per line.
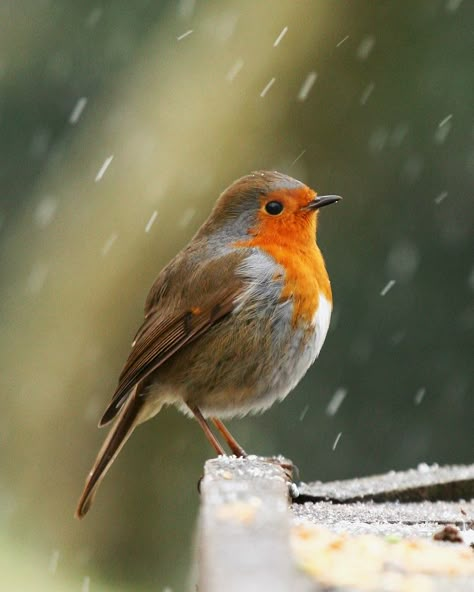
(291, 471)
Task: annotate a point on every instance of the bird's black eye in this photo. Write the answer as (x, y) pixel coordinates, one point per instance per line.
(274, 208)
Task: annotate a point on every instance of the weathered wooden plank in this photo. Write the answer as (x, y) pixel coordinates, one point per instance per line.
(426, 482)
(374, 533)
(244, 528)
(379, 531)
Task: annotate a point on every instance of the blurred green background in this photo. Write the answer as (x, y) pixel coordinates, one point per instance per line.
(172, 91)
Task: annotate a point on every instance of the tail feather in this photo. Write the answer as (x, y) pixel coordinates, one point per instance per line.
(126, 422)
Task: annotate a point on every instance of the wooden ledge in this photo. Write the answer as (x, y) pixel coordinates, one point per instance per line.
(358, 534)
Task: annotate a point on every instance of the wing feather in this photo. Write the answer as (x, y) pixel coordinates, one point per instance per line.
(161, 336)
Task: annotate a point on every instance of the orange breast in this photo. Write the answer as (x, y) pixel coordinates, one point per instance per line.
(291, 242)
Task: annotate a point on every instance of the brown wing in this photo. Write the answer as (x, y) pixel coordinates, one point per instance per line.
(162, 336)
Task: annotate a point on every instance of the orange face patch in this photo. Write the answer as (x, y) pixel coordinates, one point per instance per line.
(290, 239)
(292, 199)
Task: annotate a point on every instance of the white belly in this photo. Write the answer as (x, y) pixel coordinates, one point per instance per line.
(290, 367)
(321, 321)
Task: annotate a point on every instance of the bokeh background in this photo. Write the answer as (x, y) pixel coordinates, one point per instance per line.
(371, 100)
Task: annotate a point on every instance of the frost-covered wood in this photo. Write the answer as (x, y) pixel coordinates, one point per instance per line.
(369, 533)
(244, 528)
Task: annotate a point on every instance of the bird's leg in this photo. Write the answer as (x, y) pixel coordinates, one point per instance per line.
(231, 441)
(207, 430)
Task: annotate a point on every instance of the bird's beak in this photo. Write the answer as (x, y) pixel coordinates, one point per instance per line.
(321, 201)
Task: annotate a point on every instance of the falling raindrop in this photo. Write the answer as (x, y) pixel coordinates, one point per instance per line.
(365, 47)
(304, 412)
(336, 401)
(149, 224)
(442, 131)
(53, 562)
(367, 92)
(399, 134)
(184, 35)
(403, 260)
(108, 243)
(94, 17)
(453, 5)
(103, 168)
(307, 86)
(186, 8)
(267, 87)
(77, 111)
(44, 212)
(186, 217)
(336, 441)
(470, 280)
(298, 157)
(280, 36)
(388, 286)
(445, 120)
(441, 197)
(378, 139)
(361, 349)
(40, 142)
(342, 41)
(419, 395)
(221, 26)
(412, 168)
(470, 162)
(37, 278)
(234, 70)
(397, 338)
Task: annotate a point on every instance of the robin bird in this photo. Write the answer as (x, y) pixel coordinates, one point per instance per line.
(233, 322)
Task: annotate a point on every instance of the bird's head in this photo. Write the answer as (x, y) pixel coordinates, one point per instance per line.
(268, 204)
